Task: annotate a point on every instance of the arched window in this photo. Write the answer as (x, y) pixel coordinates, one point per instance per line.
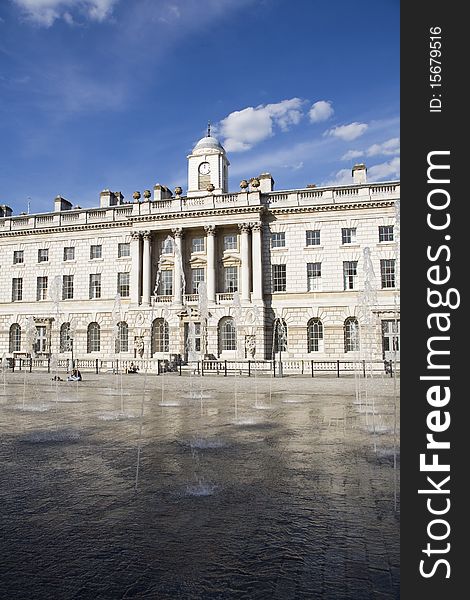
(279, 336)
(351, 335)
(93, 338)
(315, 335)
(65, 339)
(122, 338)
(160, 336)
(227, 334)
(15, 338)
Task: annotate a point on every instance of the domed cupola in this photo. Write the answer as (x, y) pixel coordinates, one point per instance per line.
(207, 167)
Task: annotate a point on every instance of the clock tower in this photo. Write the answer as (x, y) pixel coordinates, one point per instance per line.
(207, 165)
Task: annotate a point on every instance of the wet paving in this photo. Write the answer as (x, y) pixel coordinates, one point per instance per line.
(245, 488)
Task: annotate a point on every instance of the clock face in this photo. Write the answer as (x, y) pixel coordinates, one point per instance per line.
(204, 168)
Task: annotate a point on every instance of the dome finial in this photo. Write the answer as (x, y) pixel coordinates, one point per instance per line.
(208, 129)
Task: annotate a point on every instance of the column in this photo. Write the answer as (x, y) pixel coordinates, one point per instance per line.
(178, 270)
(256, 256)
(136, 267)
(245, 256)
(210, 249)
(146, 268)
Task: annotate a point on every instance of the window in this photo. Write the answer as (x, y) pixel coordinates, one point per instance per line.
(391, 335)
(168, 245)
(387, 272)
(160, 336)
(230, 279)
(350, 274)
(122, 338)
(65, 339)
(230, 242)
(18, 257)
(385, 233)
(43, 255)
(197, 244)
(96, 251)
(279, 278)
(313, 276)
(69, 253)
(95, 286)
(278, 239)
(351, 335)
(312, 237)
(166, 283)
(67, 287)
(41, 339)
(41, 288)
(124, 249)
(279, 336)
(16, 289)
(197, 277)
(227, 334)
(93, 338)
(123, 285)
(15, 338)
(315, 335)
(348, 235)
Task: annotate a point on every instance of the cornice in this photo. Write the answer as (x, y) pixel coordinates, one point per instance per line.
(332, 207)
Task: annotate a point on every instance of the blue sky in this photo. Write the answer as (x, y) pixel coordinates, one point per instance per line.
(113, 94)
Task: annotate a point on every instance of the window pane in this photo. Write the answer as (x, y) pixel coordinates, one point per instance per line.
(95, 285)
(279, 278)
(18, 257)
(313, 276)
(230, 242)
(385, 233)
(43, 255)
(315, 336)
(96, 251)
(197, 276)
(123, 285)
(124, 249)
(69, 253)
(278, 239)
(67, 287)
(348, 235)
(230, 279)
(350, 274)
(198, 244)
(313, 237)
(387, 272)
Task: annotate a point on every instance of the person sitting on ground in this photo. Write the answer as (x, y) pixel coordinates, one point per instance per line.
(132, 368)
(75, 376)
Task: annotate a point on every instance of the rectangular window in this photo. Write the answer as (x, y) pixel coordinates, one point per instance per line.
(348, 235)
(17, 289)
(69, 253)
(167, 245)
(123, 285)
(197, 276)
(312, 237)
(313, 276)
(43, 255)
(279, 278)
(166, 283)
(350, 274)
(385, 233)
(41, 289)
(67, 287)
(230, 242)
(96, 251)
(95, 286)
(278, 239)
(230, 279)
(387, 273)
(124, 249)
(41, 340)
(197, 244)
(18, 257)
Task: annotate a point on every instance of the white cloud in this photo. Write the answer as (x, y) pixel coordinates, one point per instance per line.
(390, 169)
(348, 132)
(320, 111)
(390, 147)
(352, 154)
(45, 12)
(242, 129)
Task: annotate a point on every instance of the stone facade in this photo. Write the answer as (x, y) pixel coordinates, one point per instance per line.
(265, 257)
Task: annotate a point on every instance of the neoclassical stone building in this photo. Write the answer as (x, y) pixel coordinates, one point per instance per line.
(122, 280)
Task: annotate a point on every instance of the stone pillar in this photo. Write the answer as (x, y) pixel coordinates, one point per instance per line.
(136, 267)
(178, 270)
(211, 262)
(245, 256)
(256, 256)
(146, 268)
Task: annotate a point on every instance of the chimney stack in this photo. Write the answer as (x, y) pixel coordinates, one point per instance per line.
(359, 173)
(61, 204)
